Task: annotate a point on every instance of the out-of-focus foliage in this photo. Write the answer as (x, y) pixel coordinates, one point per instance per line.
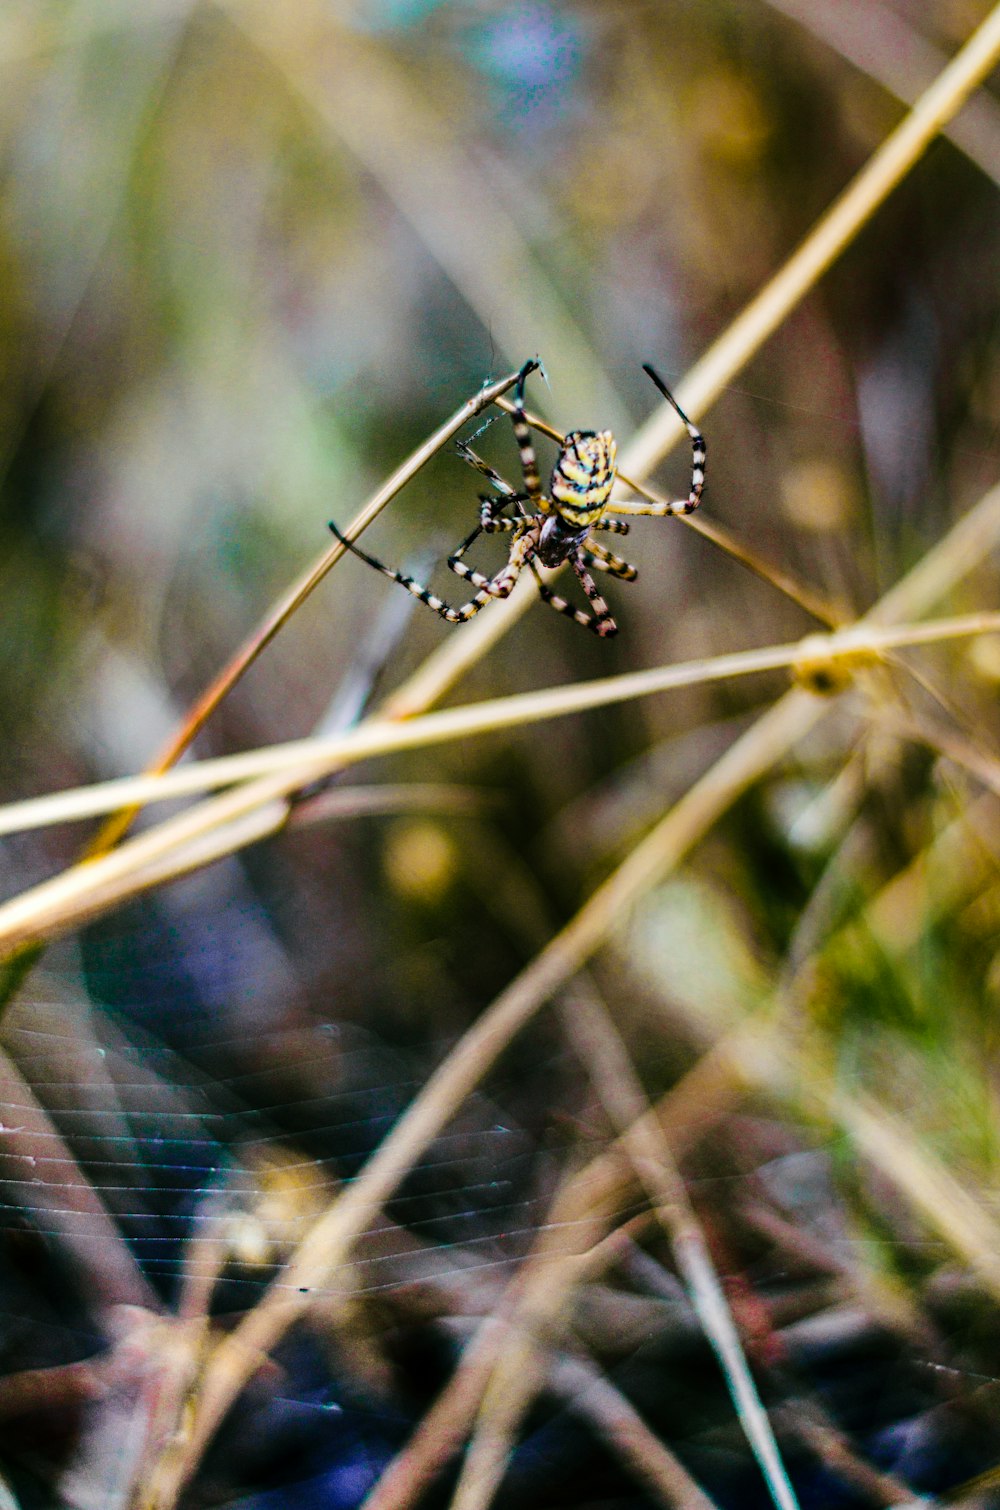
(251, 254)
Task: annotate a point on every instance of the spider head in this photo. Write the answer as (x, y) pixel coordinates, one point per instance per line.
(583, 476)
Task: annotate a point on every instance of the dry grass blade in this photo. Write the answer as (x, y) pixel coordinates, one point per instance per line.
(757, 1056)
(590, 1393)
(859, 201)
(442, 1431)
(930, 1187)
(960, 751)
(954, 867)
(888, 49)
(306, 760)
(586, 1391)
(831, 1447)
(519, 1373)
(964, 546)
(388, 797)
(250, 813)
(600, 1045)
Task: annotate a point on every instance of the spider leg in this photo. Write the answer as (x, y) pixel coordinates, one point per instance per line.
(500, 586)
(698, 453)
(499, 525)
(456, 556)
(522, 434)
(491, 525)
(599, 622)
(602, 623)
(613, 526)
(490, 506)
(491, 510)
(559, 604)
(605, 560)
(467, 454)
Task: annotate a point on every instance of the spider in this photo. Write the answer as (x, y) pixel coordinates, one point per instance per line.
(555, 527)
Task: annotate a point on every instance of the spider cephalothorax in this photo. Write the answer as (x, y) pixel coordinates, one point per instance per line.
(555, 528)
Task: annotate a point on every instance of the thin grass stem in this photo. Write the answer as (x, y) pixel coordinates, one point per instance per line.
(885, 169)
(308, 760)
(614, 1077)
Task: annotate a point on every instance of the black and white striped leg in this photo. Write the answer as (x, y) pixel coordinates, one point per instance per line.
(473, 459)
(456, 564)
(613, 526)
(522, 434)
(489, 524)
(699, 452)
(599, 622)
(498, 587)
(603, 624)
(605, 560)
(491, 507)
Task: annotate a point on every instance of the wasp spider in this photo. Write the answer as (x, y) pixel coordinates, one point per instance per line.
(555, 527)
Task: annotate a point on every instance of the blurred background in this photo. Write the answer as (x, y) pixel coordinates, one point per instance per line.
(251, 254)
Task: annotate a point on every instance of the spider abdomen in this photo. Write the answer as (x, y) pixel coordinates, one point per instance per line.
(583, 476)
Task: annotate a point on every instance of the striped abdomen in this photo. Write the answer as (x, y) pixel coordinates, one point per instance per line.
(583, 476)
